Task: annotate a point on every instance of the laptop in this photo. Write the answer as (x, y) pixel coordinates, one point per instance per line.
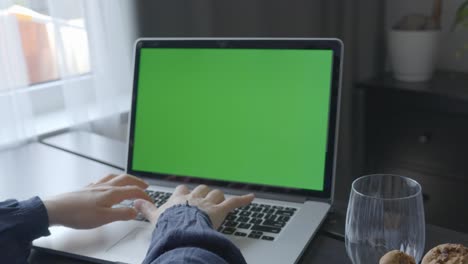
(238, 114)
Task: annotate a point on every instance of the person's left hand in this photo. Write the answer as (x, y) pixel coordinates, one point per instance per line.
(92, 206)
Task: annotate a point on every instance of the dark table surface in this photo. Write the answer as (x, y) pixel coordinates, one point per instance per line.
(55, 169)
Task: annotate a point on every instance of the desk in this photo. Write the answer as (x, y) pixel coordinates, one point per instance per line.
(37, 169)
(322, 249)
(92, 146)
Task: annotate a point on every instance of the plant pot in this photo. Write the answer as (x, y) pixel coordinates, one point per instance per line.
(413, 54)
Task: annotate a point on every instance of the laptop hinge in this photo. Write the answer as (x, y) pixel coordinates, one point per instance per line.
(280, 197)
(323, 200)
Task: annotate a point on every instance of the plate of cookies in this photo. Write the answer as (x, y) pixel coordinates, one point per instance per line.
(441, 254)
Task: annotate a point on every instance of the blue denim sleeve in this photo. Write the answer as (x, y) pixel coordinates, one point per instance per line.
(184, 234)
(20, 224)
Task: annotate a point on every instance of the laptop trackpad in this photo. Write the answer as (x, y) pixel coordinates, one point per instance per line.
(133, 247)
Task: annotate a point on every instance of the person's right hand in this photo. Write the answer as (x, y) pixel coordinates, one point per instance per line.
(92, 206)
(212, 202)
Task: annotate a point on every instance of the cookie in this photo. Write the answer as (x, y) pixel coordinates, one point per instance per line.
(447, 254)
(397, 257)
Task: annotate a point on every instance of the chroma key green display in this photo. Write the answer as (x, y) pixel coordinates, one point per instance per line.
(240, 115)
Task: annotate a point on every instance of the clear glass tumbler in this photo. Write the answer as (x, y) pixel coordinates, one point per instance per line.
(385, 212)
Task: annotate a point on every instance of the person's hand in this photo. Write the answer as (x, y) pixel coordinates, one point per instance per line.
(210, 201)
(92, 206)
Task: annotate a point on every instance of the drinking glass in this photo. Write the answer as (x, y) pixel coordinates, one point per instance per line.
(385, 212)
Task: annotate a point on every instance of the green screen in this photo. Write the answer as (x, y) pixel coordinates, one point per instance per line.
(242, 115)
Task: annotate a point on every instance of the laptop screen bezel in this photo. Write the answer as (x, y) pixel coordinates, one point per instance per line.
(334, 45)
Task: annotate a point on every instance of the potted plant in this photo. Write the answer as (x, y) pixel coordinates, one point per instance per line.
(413, 45)
(461, 18)
(461, 21)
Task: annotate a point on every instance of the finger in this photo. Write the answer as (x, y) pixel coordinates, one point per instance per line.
(237, 201)
(103, 180)
(107, 178)
(125, 179)
(119, 214)
(147, 209)
(200, 191)
(215, 196)
(116, 195)
(181, 190)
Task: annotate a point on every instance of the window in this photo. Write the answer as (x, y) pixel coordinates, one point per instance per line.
(63, 63)
(53, 47)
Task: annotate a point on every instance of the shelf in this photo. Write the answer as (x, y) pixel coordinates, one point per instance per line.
(452, 85)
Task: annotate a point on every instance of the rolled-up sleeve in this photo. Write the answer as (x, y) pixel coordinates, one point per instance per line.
(184, 234)
(20, 224)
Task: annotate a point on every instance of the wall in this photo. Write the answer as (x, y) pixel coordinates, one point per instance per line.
(205, 18)
(451, 41)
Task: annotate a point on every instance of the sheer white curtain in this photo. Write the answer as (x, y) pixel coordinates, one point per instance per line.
(76, 68)
(13, 106)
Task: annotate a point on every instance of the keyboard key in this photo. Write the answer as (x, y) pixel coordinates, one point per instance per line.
(245, 213)
(284, 213)
(255, 221)
(284, 218)
(257, 215)
(268, 211)
(269, 238)
(230, 224)
(269, 229)
(241, 234)
(243, 219)
(245, 208)
(290, 209)
(278, 207)
(244, 226)
(255, 236)
(274, 223)
(228, 230)
(256, 209)
(270, 217)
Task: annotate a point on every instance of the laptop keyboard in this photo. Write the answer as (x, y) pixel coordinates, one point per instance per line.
(159, 198)
(256, 221)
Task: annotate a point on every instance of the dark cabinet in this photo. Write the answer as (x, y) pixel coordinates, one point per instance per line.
(421, 131)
